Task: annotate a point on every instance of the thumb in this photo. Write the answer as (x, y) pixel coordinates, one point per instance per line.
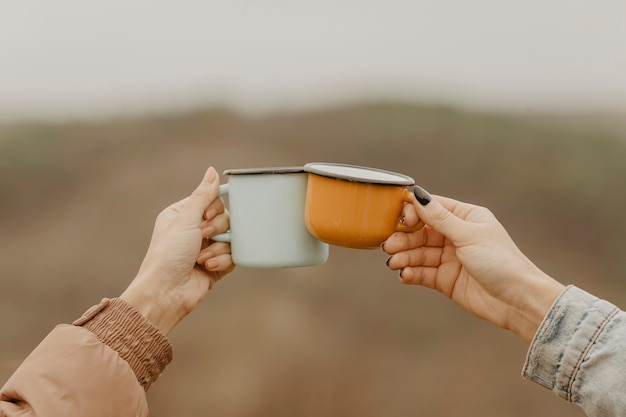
(434, 214)
(200, 198)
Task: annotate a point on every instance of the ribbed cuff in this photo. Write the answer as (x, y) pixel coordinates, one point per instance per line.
(118, 325)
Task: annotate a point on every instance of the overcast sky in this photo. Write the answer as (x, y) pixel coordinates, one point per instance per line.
(75, 57)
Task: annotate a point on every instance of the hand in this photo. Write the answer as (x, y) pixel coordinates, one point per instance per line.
(181, 265)
(465, 253)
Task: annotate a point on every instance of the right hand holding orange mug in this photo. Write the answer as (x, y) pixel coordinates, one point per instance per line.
(465, 253)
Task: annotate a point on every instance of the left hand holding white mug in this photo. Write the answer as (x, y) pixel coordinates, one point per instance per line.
(181, 264)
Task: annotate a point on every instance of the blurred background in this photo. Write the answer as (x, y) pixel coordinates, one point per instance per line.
(110, 112)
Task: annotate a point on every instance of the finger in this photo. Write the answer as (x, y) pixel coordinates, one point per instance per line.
(464, 211)
(424, 256)
(409, 215)
(212, 250)
(216, 207)
(193, 210)
(219, 224)
(441, 218)
(401, 241)
(221, 263)
(216, 275)
(424, 276)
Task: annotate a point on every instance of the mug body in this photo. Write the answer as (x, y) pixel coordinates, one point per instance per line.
(360, 210)
(267, 227)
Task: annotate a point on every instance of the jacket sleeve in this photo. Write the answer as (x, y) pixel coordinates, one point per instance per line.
(100, 366)
(579, 352)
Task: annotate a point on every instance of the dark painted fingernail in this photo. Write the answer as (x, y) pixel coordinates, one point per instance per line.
(388, 259)
(382, 246)
(400, 274)
(421, 195)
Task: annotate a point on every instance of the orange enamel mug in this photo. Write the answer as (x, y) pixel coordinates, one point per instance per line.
(353, 206)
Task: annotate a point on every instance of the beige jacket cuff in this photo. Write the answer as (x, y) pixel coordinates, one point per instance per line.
(118, 325)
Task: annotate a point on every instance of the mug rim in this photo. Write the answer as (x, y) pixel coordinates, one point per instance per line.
(318, 169)
(265, 170)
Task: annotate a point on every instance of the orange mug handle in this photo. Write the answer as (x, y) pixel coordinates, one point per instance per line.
(407, 197)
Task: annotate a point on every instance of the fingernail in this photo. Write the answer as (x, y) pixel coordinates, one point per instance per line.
(422, 196)
(210, 213)
(382, 246)
(211, 263)
(400, 274)
(388, 259)
(211, 174)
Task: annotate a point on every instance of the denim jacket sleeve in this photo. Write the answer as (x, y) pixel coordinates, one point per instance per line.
(579, 352)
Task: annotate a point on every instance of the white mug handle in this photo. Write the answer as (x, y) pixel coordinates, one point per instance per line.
(222, 237)
(223, 190)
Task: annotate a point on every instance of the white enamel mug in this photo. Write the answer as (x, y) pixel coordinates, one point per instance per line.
(267, 228)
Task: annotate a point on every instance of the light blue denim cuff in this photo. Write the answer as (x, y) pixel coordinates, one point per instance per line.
(564, 340)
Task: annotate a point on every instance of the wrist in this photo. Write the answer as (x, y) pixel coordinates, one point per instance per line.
(531, 307)
(162, 310)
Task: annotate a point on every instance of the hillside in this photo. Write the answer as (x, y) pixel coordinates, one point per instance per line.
(343, 339)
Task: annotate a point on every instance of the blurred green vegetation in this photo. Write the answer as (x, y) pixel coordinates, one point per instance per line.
(79, 200)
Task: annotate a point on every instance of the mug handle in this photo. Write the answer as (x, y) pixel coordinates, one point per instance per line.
(407, 196)
(222, 237)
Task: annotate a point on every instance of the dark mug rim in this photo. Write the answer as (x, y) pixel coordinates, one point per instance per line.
(265, 170)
